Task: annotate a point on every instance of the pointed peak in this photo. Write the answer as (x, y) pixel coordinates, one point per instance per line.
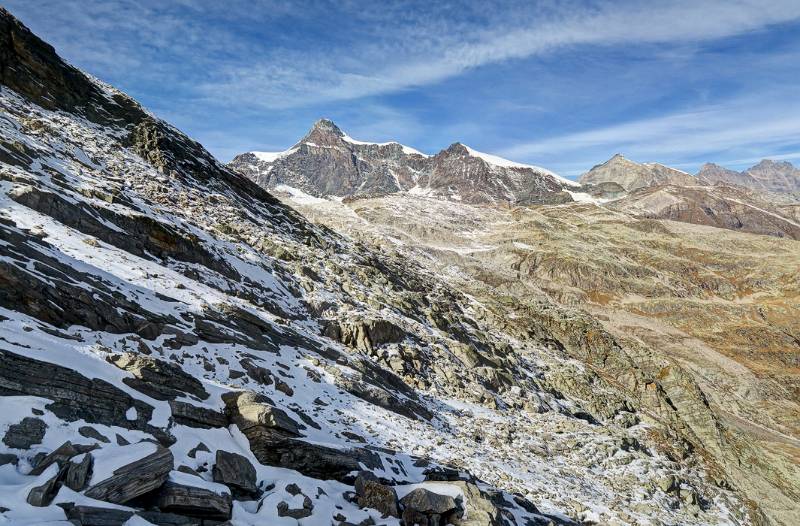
(458, 148)
(326, 126)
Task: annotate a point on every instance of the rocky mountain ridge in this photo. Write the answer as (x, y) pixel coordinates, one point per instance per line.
(178, 347)
(327, 162)
(632, 175)
(767, 175)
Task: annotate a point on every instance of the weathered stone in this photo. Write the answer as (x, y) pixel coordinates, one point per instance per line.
(273, 440)
(426, 508)
(194, 416)
(96, 516)
(370, 493)
(23, 435)
(44, 494)
(90, 432)
(236, 472)
(60, 456)
(157, 378)
(297, 513)
(74, 396)
(194, 501)
(134, 479)
(78, 474)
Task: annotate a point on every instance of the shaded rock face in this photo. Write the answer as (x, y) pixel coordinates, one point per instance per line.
(28, 432)
(425, 508)
(194, 501)
(157, 378)
(236, 472)
(328, 162)
(632, 175)
(134, 479)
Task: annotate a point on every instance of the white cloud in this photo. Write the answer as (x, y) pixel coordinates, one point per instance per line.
(753, 127)
(404, 57)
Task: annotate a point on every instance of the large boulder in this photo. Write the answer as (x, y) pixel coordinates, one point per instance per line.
(236, 472)
(370, 493)
(196, 501)
(135, 478)
(28, 432)
(363, 335)
(426, 508)
(95, 516)
(273, 438)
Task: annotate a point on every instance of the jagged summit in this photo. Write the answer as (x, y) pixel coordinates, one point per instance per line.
(327, 125)
(327, 161)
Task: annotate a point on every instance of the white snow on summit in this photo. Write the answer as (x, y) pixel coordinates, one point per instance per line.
(505, 163)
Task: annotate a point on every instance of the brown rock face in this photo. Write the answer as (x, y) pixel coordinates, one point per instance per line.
(720, 206)
(632, 175)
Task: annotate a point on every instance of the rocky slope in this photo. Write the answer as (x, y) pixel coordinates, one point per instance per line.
(706, 317)
(767, 175)
(178, 347)
(632, 175)
(721, 206)
(326, 162)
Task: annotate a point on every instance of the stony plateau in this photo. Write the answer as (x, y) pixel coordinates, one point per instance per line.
(180, 347)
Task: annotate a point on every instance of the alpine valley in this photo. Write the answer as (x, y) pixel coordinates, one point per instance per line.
(352, 333)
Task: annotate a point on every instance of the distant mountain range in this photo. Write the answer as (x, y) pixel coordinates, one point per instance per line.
(770, 176)
(327, 162)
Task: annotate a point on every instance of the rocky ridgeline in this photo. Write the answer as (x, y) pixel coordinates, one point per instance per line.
(178, 347)
(326, 162)
(760, 200)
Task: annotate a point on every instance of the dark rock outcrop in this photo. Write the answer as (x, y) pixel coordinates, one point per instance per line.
(156, 378)
(194, 501)
(236, 472)
(134, 479)
(426, 508)
(26, 433)
(274, 441)
(74, 396)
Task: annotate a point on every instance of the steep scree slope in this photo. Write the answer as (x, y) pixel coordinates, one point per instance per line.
(178, 347)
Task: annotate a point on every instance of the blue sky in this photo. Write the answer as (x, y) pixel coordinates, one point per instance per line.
(560, 84)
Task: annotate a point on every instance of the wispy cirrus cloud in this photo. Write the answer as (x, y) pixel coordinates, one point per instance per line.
(563, 83)
(733, 132)
(407, 56)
